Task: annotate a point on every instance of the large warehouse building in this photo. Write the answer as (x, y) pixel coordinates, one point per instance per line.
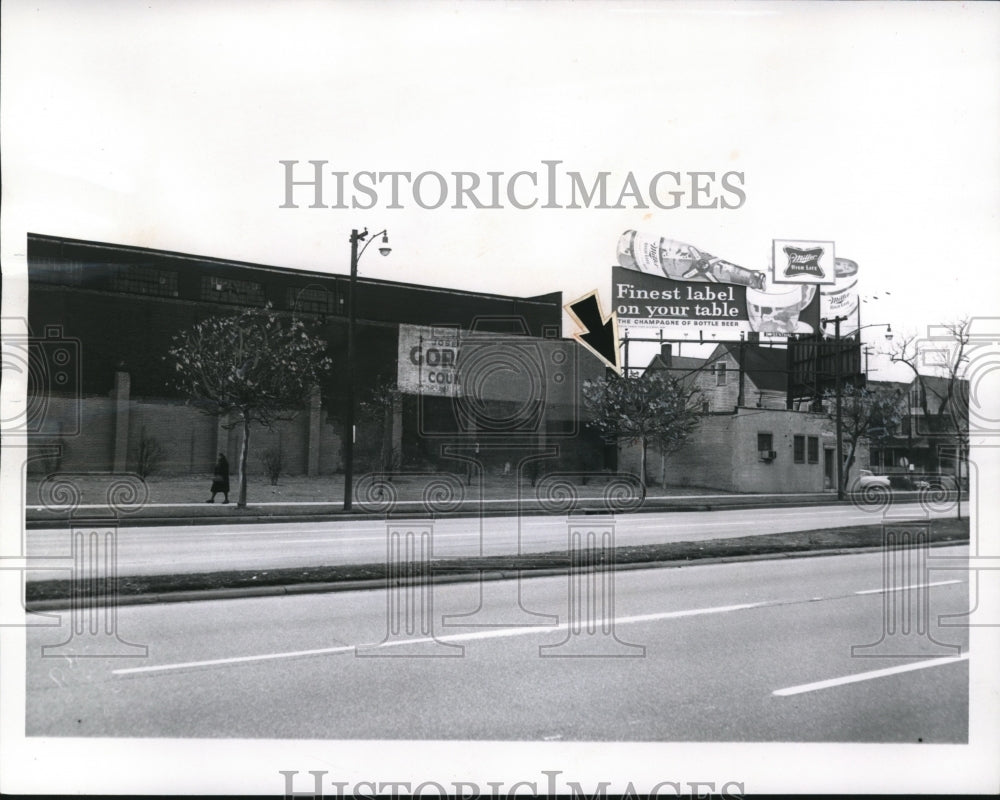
(117, 308)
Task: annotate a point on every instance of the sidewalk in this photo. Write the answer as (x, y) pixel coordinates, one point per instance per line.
(181, 500)
(168, 501)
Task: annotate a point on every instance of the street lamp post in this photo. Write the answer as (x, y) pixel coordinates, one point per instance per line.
(348, 444)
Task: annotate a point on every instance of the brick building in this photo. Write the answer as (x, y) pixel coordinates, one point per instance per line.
(118, 307)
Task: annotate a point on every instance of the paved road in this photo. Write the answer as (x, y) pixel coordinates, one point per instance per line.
(759, 651)
(171, 549)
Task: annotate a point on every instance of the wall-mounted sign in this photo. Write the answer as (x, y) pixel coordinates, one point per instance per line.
(428, 360)
(802, 261)
(483, 366)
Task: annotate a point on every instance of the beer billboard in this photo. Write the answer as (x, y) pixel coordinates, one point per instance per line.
(803, 261)
(670, 288)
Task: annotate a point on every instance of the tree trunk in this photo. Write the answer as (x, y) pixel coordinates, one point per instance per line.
(848, 463)
(663, 468)
(244, 450)
(958, 478)
(642, 467)
(386, 454)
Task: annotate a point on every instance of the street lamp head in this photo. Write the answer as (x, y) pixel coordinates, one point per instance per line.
(888, 333)
(385, 249)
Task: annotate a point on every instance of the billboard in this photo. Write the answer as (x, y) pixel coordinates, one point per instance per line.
(841, 298)
(648, 305)
(804, 261)
(816, 363)
(666, 287)
(815, 261)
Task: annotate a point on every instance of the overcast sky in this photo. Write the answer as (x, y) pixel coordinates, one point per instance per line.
(163, 125)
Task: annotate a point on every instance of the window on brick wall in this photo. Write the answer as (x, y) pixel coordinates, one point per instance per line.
(765, 441)
(813, 449)
(799, 449)
(720, 374)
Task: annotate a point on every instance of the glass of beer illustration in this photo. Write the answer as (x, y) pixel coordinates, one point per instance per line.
(777, 310)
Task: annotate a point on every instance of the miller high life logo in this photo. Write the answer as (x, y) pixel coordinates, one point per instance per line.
(804, 261)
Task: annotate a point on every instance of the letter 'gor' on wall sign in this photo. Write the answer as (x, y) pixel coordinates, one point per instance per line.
(600, 333)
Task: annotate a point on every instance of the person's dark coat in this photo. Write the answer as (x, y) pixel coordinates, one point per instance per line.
(220, 480)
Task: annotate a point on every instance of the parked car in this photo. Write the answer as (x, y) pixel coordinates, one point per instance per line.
(908, 482)
(867, 479)
(911, 481)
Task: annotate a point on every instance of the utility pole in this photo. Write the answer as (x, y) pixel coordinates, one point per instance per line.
(740, 400)
(838, 353)
(840, 411)
(349, 388)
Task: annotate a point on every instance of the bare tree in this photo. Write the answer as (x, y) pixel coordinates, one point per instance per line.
(871, 414)
(938, 365)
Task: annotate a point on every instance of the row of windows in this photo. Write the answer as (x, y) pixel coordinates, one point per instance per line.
(803, 447)
(144, 280)
(309, 299)
(152, 281)
(227, 290)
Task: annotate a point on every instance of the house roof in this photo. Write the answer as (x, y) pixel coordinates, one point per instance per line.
(679, 365)
(767, 366)
(899, 386)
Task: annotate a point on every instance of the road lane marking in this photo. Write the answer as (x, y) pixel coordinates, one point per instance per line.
(883, 590)
(501, 633)
(241, 659)
(336, 539)
(868, 676)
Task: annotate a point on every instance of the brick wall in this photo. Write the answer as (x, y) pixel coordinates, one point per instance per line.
(185, 436)
(290, 437)
(83, 429)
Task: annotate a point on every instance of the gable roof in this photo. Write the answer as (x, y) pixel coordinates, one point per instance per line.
(679, 365)
(903, 387)
(766, 367)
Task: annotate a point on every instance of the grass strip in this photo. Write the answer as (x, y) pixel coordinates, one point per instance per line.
(857, 536)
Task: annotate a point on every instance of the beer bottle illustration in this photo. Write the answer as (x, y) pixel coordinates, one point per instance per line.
(682, 262)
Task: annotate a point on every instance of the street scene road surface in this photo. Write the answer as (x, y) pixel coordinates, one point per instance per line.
(809, 650)
(205, 548)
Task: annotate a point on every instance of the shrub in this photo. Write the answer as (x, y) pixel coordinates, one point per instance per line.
(273, 461)
(149, 454)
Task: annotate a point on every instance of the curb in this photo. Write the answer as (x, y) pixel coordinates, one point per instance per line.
(196, 595)
(260, 516)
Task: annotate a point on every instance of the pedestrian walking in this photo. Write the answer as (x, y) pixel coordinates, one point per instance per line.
(220, 480)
